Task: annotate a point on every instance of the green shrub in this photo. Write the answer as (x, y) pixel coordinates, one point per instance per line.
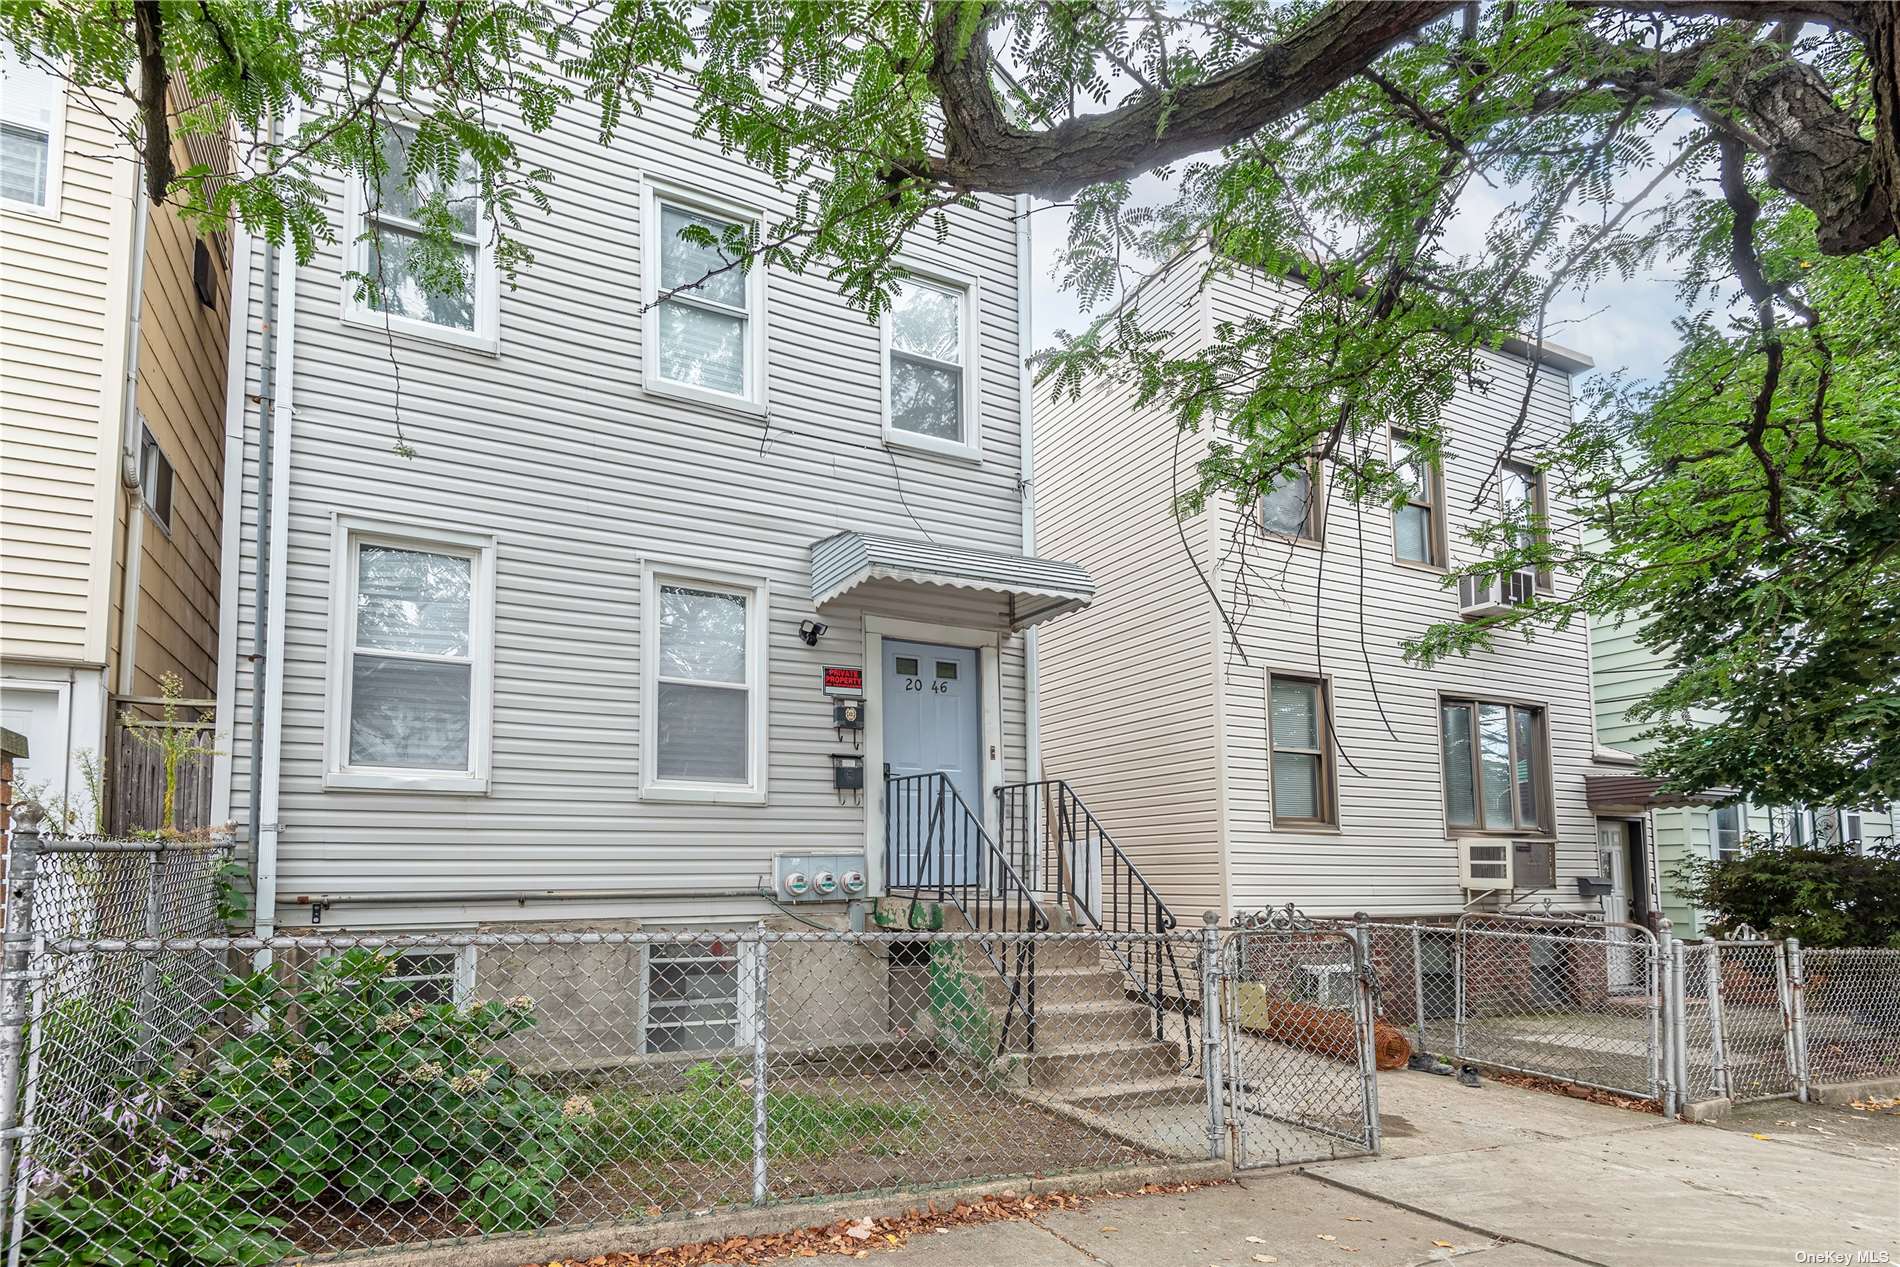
(149, 1222)
(1827, 895)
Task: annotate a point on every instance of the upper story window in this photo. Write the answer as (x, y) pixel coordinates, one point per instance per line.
(1725, 832)
(1299, 731)
(1291, 508)
(1496, 766)
(415, 289)
(155, 479)
(1521, 490)
(705, 303)
(411, 659)
(929, 363)
(704, 701)
(32, 124)
(1418, 527)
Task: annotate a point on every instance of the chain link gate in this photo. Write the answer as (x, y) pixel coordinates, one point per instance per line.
(1752, 1019)
(1297, 1007)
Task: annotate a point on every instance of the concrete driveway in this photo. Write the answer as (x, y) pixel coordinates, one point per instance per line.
(1501, 1177)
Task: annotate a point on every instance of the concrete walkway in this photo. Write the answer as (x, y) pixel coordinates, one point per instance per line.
(1500, 1177)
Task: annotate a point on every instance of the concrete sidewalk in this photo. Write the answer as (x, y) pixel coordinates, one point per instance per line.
(1499, 1177)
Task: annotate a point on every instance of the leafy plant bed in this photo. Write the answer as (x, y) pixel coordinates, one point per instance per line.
(826, 1137)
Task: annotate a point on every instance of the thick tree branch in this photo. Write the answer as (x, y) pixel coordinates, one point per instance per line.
(983, 150)
(148, 21)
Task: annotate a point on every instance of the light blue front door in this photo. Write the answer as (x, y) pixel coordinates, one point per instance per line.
(933, 724)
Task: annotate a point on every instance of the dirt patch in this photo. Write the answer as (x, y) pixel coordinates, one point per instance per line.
(958, 1136)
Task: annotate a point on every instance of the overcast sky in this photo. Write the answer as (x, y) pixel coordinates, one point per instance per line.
(1618, 324)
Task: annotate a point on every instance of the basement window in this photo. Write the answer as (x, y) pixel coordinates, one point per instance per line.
(693, 996)
(433, 976)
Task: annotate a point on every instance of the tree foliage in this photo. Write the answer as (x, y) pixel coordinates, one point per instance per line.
(1744, 500)
(1825, 894)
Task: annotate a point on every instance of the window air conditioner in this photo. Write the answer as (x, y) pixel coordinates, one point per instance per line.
(1495, 595)
(1484, 864)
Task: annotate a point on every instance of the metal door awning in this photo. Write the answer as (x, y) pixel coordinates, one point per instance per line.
(1636, 793)
(1035, 589)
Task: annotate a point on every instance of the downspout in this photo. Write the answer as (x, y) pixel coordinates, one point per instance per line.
(273, 466)
(1026, 411)
(129, 452)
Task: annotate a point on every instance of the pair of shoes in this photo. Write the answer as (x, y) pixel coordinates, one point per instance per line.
(1468, 1076)
(1425, 1062)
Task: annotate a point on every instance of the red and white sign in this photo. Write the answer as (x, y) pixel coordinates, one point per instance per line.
(844, 681)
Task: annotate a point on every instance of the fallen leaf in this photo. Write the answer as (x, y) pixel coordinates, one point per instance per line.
(1110, 1227)
(1759, 1135)
(1327, 1236)
(1444, 1245)
(1354, 1218)
(1256, 1240)
(1265, 1258)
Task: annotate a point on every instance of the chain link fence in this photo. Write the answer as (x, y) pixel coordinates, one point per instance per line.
(1850, 1014)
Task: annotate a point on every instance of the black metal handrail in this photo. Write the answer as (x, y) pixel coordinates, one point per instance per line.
(929, 825)
(1051, 834)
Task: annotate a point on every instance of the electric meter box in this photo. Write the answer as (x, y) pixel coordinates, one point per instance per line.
(818, 877)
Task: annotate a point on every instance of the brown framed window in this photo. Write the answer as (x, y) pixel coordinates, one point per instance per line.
(1497, 763)
(1291, 508)
(1299, 735)
(1418, 526)
(1521, 490)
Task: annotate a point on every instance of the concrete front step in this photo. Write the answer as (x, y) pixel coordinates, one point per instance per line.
(1058, 986)
(1094, 1020)
(1063, 1067)
(1108, 1097)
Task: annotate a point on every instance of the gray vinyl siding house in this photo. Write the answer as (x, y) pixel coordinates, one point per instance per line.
(562, 475)
(1161, 720)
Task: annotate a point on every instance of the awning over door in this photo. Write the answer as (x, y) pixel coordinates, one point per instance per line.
(1033, 590)
(1636, 793)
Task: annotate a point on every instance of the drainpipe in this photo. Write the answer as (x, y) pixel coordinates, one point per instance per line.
(267, 640)
(129, 449)
(1026, 411)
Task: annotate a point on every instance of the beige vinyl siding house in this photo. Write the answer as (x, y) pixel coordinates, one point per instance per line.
(628, 724)
(68, 522)
(1148, 702)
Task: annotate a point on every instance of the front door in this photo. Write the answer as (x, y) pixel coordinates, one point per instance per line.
(1614, 857)
(933, 724)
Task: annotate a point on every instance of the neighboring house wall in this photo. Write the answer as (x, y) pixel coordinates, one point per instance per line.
(1390, 851)
(1145, 653)
(552, 445)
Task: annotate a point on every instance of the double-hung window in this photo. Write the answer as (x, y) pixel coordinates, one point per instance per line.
(411, 659)
(1300, 733)
(705, 302)
(1496, 766)
(401, 279)
(1521, 490)
(1418, 526)
(929, 380)
(1291, 508)
(32, 124)
(1725, 832)
(705, 705)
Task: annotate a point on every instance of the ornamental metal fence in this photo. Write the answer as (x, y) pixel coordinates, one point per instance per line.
(320, 1096)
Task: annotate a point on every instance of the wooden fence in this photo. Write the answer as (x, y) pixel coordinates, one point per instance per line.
(135, 779)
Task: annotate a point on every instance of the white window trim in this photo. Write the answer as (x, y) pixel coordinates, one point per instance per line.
(757, 369)
(745, 959)
(757, 593)
(970, 448)
(461, 975)
(55, 156)
(485, 337)
(348, 532)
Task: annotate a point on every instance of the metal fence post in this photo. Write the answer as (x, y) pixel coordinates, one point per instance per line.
(1418, 988)
(1785, 992)
(759, 1117)
(1670, 1076)
(1369, 1013)
(16, 961)
(1211, 1070)
(1718, 1039)
(148, 969)
(1458, 992)
(1798, 991)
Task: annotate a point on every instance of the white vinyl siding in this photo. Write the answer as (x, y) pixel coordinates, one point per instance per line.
(382, 228)
(411, 660)
(928, 384)
(705, 306)
(557, 449)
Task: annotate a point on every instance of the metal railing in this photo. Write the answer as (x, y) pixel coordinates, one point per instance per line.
(935, 846)
(1051, 835)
